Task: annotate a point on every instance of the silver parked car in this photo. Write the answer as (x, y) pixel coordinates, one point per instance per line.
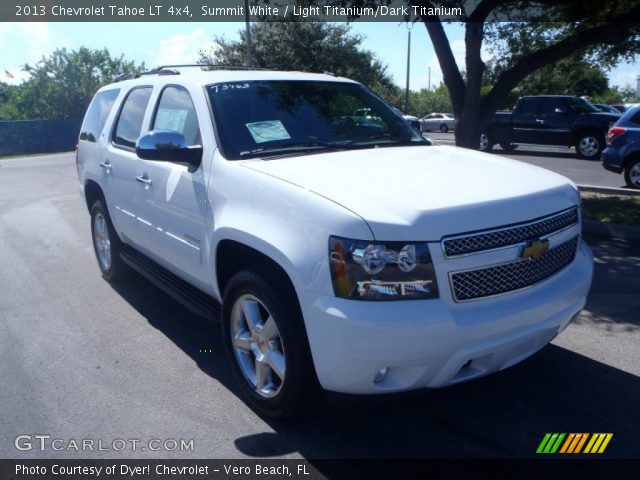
(437, 121)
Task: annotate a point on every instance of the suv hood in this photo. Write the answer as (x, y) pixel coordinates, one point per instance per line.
(424, 193)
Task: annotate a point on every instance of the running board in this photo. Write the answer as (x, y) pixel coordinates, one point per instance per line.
(189, 296)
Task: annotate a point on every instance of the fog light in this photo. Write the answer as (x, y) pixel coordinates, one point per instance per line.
(381, 375)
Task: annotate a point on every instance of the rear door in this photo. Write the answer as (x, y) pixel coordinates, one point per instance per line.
(555, 122)
(525, 121)
(171, 199)
(120, 163)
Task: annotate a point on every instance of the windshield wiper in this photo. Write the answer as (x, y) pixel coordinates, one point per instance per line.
(385, 140)
(296, 146)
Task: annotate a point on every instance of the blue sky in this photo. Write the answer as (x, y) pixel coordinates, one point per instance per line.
(163, 43)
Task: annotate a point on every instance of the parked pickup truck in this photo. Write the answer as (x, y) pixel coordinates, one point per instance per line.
(550, 120)
(334, 254)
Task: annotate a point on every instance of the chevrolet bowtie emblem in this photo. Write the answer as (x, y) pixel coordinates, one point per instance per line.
(535, 249)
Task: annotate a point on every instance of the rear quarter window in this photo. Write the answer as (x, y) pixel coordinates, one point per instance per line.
(97, 114)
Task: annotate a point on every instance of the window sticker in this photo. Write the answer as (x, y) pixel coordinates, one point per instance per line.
(171, 119)
(268, 131)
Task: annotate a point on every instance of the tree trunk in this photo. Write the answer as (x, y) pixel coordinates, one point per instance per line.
(468, 130)
(469, 124)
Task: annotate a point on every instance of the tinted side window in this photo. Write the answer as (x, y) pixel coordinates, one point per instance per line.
(635, 118)
(549, 106)
(176, 112)
(97, 114)
(129, 123)
(530, 106)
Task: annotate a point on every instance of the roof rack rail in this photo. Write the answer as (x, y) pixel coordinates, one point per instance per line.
(155, 71)
(170, 70)
(221, 66)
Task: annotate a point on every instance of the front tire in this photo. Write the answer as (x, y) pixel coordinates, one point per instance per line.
(632, 173)
(590, 145)
(265, 339)
(106, 244)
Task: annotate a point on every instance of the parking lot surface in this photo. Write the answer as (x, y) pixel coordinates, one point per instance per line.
(82, 359)
(561, 160)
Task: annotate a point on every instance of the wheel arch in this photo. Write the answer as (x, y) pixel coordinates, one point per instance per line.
(233, 256)
(635, 155)
(589, 129)
(92, 193)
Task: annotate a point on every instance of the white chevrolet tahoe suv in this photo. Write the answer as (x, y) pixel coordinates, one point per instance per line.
(338, 253)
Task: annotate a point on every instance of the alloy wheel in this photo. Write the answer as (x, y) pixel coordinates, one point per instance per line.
(258, 346)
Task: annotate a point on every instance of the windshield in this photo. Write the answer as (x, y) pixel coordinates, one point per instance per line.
(580, 105)
(264, 118)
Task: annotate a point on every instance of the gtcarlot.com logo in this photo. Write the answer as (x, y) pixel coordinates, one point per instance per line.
(574, 443)
(47, 442)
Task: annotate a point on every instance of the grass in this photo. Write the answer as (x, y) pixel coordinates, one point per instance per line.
(607, 208)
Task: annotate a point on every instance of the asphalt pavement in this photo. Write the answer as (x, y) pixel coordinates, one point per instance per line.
(83, 359)
(561, 160)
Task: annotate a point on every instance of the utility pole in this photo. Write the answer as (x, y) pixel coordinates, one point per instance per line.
(429, 78)
(406, 95)
(248, 34)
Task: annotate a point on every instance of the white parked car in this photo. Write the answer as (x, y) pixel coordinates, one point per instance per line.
(337, 255)
(437, 121)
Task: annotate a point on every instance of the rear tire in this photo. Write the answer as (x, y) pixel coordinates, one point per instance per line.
(485, 144)
(265, 339)
(444, 128)
(106, 244)
(590, 145)
(632, 173)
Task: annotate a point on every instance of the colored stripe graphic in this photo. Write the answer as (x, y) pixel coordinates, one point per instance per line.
(550, 443)
(543, 443)
(598, 442)
(574, 443)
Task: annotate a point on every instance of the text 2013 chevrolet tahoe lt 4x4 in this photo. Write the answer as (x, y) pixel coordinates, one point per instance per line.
(338, 254)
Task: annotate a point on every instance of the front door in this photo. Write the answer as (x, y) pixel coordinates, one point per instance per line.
(172, 200)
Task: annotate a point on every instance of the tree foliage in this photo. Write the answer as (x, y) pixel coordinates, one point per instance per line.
(7, 102)
(63, 84)
(303, 46)
(570, 76)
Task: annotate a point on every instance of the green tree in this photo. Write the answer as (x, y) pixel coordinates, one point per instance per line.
(307, 47)
(427, 101)
(63, 84)
(570, 76)
(7, 102)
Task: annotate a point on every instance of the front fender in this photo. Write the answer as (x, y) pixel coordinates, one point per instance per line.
(281, 220)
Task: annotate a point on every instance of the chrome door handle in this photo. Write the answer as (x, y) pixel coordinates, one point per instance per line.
(143, 179)
(106, 165)
(539, 121)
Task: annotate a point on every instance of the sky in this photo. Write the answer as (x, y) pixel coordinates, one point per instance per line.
(167, 43)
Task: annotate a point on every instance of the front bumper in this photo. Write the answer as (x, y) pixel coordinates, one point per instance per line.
(435, 343)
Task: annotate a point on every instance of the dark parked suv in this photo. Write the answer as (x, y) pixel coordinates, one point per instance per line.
(623, 151)
(550, 120)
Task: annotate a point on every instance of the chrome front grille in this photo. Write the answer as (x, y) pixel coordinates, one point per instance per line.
(507, 277)
(502, 237)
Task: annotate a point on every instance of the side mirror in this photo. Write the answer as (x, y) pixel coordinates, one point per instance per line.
(168, 146)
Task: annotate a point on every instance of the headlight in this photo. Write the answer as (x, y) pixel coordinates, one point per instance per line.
(366, 270)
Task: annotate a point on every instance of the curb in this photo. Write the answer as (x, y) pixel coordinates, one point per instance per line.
(610, 190)
(610, 230)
